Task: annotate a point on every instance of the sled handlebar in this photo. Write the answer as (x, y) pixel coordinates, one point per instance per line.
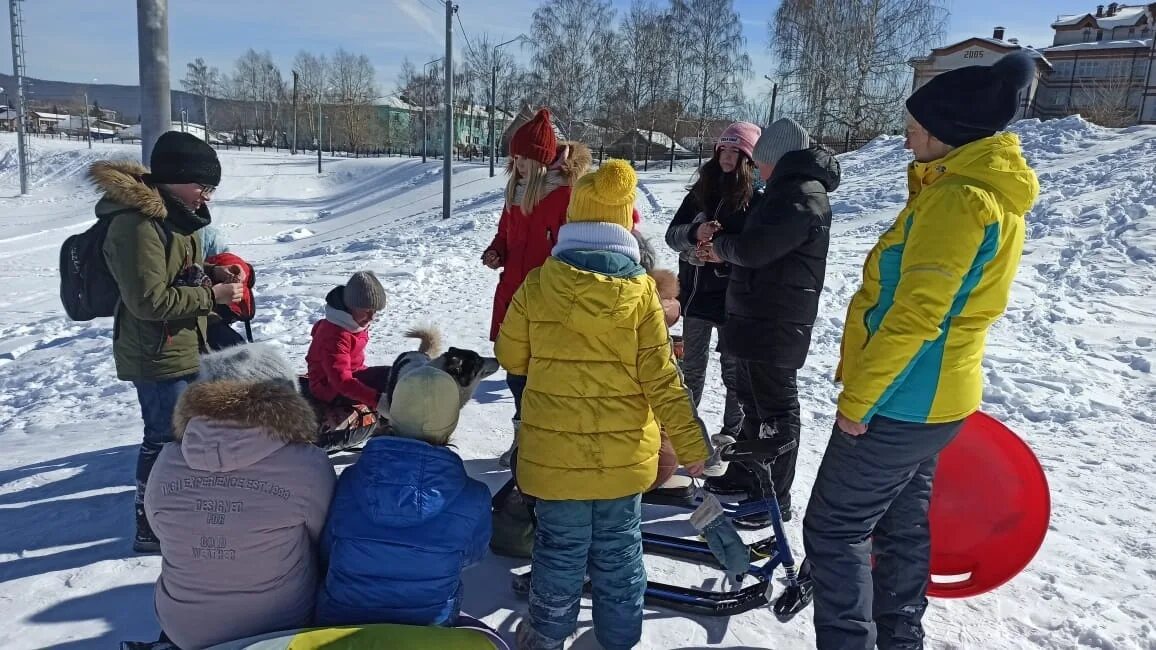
(762, 450)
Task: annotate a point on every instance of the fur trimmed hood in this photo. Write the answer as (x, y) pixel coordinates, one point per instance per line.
(273, 406)
(123, 182)
(577, 162)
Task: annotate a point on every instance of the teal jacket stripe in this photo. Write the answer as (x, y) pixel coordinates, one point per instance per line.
(911, 395)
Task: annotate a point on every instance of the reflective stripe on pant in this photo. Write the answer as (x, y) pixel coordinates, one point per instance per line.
(770, 396)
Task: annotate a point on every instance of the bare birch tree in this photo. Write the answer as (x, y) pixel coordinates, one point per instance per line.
(311, 70)
(718, 51)
(353, 80)
(568, 38)
(846, 63)
(202, 80)
(642, 67)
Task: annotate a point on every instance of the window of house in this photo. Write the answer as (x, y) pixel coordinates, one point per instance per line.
(1087, 35)
(1099, 34)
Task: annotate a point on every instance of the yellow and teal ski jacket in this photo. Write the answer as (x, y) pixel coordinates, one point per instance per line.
(933, 285)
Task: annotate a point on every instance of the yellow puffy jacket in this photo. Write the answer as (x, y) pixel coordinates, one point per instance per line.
(600, 366)
(935, 282)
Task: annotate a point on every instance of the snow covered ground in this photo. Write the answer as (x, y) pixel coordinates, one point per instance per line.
(1069, 368)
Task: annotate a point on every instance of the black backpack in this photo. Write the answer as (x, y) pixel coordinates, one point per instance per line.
(87, 288)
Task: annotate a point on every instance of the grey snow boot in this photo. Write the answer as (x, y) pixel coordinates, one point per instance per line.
(504, 459)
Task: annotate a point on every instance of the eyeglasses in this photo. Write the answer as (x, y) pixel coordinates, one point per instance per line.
(207, 190)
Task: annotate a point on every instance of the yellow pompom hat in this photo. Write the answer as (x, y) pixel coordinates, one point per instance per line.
(606, 195)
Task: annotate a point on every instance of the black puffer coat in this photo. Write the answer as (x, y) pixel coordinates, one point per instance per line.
(779, 261)
(703, 289)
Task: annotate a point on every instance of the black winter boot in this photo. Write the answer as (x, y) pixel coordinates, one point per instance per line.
(144, 541)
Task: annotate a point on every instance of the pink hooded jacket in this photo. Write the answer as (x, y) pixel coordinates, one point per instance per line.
(238, 503)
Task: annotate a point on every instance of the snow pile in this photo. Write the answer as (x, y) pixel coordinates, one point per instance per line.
(1069, 367)
(300, 233)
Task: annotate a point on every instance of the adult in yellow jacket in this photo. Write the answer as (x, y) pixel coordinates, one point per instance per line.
(587, 328)
(912, 351)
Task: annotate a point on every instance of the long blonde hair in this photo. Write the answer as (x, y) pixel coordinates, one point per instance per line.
(535, 190)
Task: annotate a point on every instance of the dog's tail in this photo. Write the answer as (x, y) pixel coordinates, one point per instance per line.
(430, 339)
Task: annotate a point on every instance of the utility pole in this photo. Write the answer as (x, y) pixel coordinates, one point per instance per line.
(156, 111)
(319, 91)
(448, 162)
(493, 98)
(293, 146)
(18, 73)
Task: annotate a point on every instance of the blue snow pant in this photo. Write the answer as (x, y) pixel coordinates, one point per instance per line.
(599, 537)
(872, 495)
(157, 401)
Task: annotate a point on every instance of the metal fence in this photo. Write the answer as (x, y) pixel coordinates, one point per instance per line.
(363, 152)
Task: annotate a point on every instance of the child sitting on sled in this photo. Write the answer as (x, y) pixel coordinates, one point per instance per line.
(588, 330)
(406, 519)
(336, 358)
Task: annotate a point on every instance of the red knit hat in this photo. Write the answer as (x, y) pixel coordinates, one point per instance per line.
(535, 140)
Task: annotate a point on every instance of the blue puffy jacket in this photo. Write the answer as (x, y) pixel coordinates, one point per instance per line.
(405, 521)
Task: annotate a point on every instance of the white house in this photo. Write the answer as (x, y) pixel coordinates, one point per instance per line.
(1104, 62)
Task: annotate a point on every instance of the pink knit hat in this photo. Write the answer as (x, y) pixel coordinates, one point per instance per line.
(743, 135)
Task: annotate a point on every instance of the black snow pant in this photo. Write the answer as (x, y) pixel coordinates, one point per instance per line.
(696, 335)
(872, 496)
(769, 396)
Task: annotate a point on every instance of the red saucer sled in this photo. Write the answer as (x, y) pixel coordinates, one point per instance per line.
(990, 507)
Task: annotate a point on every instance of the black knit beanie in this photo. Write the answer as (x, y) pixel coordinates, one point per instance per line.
(972, 103)
(184, 158)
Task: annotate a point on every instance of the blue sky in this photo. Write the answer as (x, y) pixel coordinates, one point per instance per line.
(83, 40)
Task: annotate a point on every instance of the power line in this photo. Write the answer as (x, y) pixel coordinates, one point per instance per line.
(464, 34)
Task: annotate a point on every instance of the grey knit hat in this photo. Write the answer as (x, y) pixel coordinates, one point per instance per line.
(363, 291)
(256, 362)
(782, 137)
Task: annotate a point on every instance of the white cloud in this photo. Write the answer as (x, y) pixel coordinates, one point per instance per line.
(419, 14)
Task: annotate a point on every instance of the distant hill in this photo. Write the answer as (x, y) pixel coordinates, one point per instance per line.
(125, 100)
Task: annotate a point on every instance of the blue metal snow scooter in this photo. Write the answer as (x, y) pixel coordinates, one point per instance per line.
(770, 553)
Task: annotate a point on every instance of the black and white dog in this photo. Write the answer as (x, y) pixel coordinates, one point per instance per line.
(468, 368)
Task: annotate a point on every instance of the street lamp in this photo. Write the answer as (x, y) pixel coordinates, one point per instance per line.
(493, 97)
(424, 101)
(320, 92)
(87, 116)
(774, 97)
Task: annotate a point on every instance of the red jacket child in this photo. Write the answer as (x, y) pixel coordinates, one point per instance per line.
(336, 358)
(536, 200)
